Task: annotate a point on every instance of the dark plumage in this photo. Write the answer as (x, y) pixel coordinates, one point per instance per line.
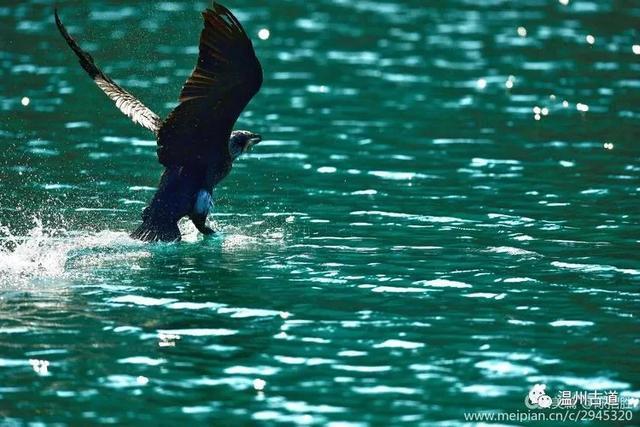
(196, 144)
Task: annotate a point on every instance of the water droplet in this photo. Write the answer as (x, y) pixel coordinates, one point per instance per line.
(522, 31)
(25, 101)
(564, 2)
(565, 104)
(591, 39)
(583, 108)
(608, 146)
(536, 110)
(537, 117)
(481, 83)
(264, 34)
(545, 111)
(636, 49)
(142, 380)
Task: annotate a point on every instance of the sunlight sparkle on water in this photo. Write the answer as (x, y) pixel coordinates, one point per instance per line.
(564, 2)
(25, 101)
(636, 49)
(481, 83)
(583, 108)
(522, 31)
(264, 34)
(590, 39)
(167, 340)
(41, 367)
(510, 82)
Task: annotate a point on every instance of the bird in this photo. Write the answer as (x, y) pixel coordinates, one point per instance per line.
(196, 143)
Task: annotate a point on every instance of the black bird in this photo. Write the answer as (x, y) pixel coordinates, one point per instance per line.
(196, 144)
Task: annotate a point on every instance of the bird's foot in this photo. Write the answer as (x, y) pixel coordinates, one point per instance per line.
(201, 224)
(207, 231)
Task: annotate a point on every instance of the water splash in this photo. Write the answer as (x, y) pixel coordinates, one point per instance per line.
(237, 237)
(46, 253)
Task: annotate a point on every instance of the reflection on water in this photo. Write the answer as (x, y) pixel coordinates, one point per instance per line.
(443, 214)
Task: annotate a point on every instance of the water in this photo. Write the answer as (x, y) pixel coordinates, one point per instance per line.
(408, 244)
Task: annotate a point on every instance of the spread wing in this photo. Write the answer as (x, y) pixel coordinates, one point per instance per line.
(226, 77)
(125, 102)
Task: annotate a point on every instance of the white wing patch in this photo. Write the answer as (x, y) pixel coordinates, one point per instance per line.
(125, 102)
(129, 104)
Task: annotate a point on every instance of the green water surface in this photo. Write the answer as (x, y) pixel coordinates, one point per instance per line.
(444, 213)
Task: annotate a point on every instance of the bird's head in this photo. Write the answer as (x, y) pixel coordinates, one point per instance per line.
(242, 141)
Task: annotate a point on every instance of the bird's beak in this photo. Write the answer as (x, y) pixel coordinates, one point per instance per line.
(255, 139)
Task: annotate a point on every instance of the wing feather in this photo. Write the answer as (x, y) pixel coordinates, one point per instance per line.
(227, 63)
(125, 102)
(226, 77)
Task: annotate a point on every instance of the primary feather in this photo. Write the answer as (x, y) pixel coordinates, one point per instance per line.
(125, 102)
(226, 77)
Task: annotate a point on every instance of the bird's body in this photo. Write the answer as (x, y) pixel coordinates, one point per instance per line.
(196, 144)
(176, 197)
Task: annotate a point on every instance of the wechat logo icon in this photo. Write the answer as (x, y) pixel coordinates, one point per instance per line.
(538, 398)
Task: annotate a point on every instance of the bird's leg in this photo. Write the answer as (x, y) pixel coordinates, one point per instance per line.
(201, 207)
(202, 226)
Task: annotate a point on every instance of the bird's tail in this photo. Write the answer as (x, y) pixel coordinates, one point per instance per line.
(156, 228)
(151, 231)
